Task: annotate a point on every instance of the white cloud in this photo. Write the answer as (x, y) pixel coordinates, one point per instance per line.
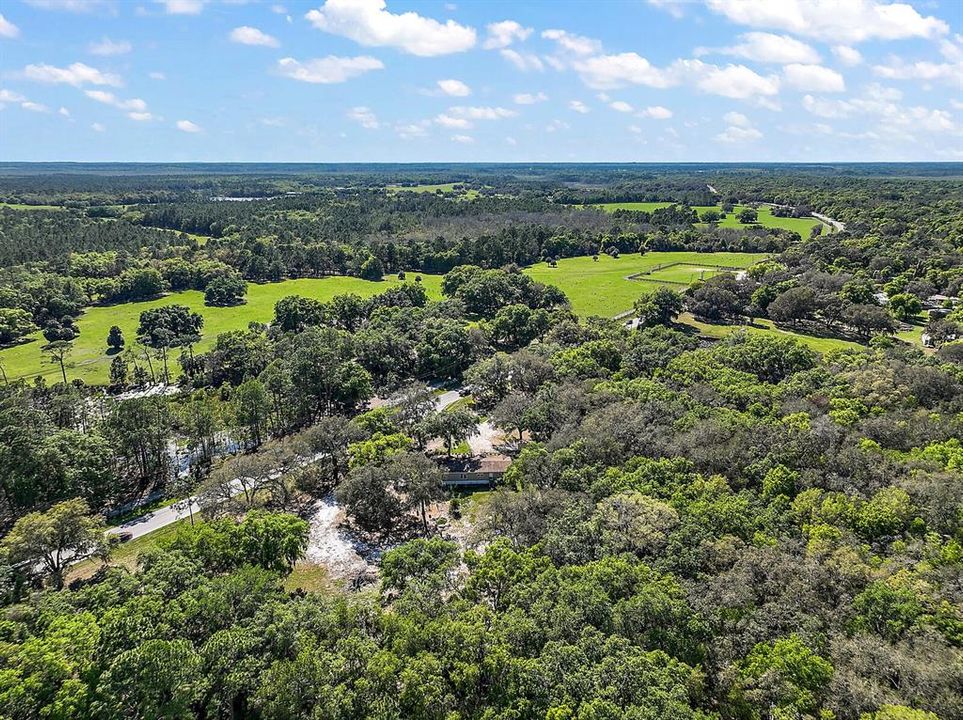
(737, 119)
(482, 113)
(604, 72)
(364, 117)
(182, 7)
(511, 141)
(63, 111)
(621, 106)
(413, 130)
(897, 69)
(504, 33)
(76, 74)
(575, 44)
(368, 22)
(102, 96)
(832, 20)
(882, 103)
(9, 96)
(847, 55)
(673, 7)
(734, 134)
(734, 81)
(813, 78)
(656, 112)
(141, 116)
(328, 70)
(450, 121)
(556, 125)
(454, 88)
(34, 107)
(8, 29)
(465, 139)
(97, 127)
(187, 126)
(110, 47)
(769, 48)
(157, 76)
(523, 61)
(578, 106)
(529, 98)
(247, 35)
(77, 6)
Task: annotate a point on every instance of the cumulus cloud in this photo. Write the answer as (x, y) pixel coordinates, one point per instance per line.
(604, 72)
(407, 131)
(182, 7)
(481, 113)
(8, 29)
(523, 61)
(621, 106)
(814, 78)
(328, 70)
(247, 35)
(737, 119)
(64, 111)
(898, 69)
(734, 134)
(364, 117)
(884, 105)
(97, 127)
(187, 126)
(529, 98)
(108, 47)
(454, 88)
(578, 106)
(847, 55)
(734, 81)
(831, 20)
(10, 97)
(465, 139)
(656, 112)
(449, 121)
(141, 116)
(575, 44)
(768, 48)
(133, 105)
(76, 74)
(504, 33)
(368, 22)
(157, 76)
(78, 6)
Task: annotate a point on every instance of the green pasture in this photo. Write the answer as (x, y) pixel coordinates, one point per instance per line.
(763, 326)
(803, 226)
(469, 194)
(91, 363)
(681, 274)
(603, 287)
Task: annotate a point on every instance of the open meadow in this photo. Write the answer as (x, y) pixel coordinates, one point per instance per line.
(803, 225)
(604, 288)
(91, 363)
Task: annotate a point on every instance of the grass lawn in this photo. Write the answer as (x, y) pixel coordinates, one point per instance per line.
(601, 288)
(91, 363)
(803, 226)
(766, 327)
(310, 578)
(683, 274)
(126, 554)
(469, 194)
(21, 206)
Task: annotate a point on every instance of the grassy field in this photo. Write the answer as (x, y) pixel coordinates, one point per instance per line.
(681, 274)
(469, 194)
(766, 327)
(91, 363)
(803, 226)
(602, 288)
(21, 206)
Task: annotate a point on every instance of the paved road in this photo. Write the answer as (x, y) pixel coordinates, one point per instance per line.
(156, 519)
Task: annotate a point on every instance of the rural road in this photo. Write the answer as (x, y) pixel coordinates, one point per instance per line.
(162, 517)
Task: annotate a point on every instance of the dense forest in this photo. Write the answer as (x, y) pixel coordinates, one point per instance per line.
(745, 528)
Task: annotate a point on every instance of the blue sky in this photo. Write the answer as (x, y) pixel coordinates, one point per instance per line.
(393, 81)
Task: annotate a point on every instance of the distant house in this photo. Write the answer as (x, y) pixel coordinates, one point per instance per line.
(936, 302)
(475, 471)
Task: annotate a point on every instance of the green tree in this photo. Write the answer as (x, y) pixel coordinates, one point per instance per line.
(51, 539)
(115, 338)
(784, 674)
(225, 290)
(57, 352)
(659, 307)
(14, 324)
